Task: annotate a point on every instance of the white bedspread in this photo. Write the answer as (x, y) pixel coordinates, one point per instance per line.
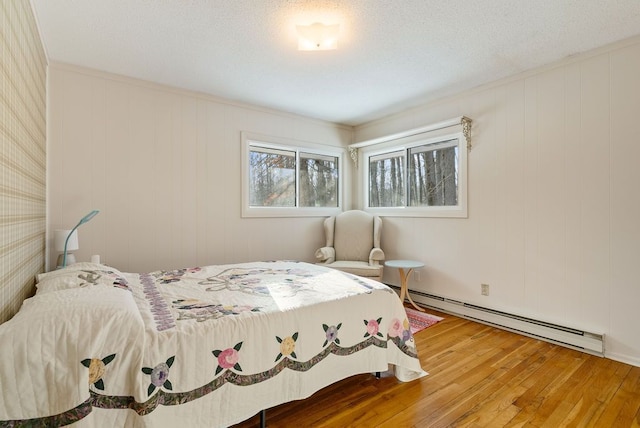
(207, 346)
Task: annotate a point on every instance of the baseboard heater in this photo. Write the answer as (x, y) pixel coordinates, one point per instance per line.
(592, 343)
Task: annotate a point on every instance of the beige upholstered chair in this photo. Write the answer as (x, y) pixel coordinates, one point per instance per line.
(353, 244)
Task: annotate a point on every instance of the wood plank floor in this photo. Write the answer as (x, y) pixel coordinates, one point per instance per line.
(479, 376)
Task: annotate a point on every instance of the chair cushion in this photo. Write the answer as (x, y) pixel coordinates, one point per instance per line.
(357, 268)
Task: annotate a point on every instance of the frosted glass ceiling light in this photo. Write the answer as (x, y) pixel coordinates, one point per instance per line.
(317, 37)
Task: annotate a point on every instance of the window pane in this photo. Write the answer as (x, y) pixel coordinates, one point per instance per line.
(272, 178)
(433, 175)
(318, 180)
(386, 180)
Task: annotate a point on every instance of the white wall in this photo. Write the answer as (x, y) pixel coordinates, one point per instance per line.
(553, 187)
(554, 198)
(163, 167)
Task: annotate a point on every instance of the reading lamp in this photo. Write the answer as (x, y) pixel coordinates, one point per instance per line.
(71, 240)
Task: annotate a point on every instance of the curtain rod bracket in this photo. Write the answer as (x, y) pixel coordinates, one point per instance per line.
(466, 129)
(462, 121)
(353, 153)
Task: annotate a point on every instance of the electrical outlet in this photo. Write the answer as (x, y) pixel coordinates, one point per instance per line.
(484, 289)
(416, 275)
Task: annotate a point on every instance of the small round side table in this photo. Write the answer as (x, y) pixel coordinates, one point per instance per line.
(409, 265)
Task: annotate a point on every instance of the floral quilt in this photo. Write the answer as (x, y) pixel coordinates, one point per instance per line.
(205, 346)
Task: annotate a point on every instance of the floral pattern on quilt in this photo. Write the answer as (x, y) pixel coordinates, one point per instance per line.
(373, 328)
(229, 365)
(256, 281)
(97, 369)
(193, 309)
(400, 330)
(331, 334)
(97, 277)
(159, 375)
(169, 276)
(259, 281)
(287, 346)
(228, 359)
(161, 314)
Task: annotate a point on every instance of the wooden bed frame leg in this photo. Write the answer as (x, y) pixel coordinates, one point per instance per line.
(263, 418)
(377, 375)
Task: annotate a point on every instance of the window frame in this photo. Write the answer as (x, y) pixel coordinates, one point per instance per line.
(276, 143)
(404, 144)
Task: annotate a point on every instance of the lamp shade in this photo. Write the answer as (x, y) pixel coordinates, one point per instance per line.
(60, 237)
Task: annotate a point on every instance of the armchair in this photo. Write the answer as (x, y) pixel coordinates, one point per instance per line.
(353, 244)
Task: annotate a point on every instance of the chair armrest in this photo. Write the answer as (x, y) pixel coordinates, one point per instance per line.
(326, 254)
(376, 256)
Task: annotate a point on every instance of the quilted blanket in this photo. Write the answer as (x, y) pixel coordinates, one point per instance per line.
(205, 346)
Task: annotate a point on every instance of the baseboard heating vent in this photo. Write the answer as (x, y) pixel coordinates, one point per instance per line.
(592, 343)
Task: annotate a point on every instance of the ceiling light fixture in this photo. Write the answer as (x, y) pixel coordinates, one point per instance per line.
(317, 37)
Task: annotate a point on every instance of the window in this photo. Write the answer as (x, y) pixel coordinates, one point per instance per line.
(386, 180)
(272, 177)
(432, 178)
(417, 176)
(318, 180)
(282, 179)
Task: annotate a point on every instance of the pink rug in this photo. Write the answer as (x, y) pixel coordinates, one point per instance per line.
(420, 320)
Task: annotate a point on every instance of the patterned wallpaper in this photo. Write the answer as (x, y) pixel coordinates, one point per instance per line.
(22, 154)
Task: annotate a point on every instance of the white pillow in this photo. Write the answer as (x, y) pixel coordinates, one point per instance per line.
(82, 274)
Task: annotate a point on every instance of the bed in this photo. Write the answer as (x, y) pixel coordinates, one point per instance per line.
(199, 347)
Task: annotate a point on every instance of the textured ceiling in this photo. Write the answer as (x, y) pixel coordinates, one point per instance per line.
(392, 55)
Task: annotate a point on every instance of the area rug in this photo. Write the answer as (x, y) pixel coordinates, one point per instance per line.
(420, 320)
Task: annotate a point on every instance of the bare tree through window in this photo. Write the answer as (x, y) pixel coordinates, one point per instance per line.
(272, 178)
(318, 180)
(386, 180)
(283, 178)
(421, 176)
(433, 176)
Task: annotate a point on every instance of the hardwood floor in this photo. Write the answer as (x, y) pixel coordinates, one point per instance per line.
(479, 376)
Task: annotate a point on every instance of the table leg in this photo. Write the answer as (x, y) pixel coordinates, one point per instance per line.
(404, 290)
(403, 284)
